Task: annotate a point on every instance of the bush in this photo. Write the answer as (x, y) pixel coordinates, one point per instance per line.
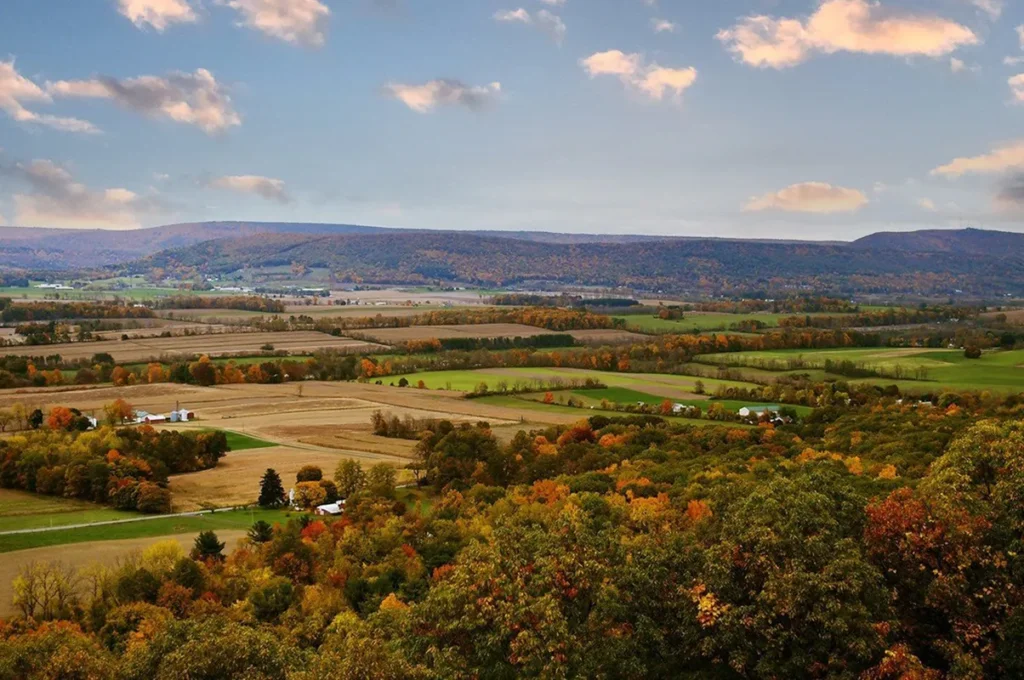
(972, 352)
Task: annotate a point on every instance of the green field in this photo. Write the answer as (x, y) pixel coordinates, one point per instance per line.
(996, 370)
(527, 401)
(162, 526)
(624, 395)
(24, 510)
(467, 381)
(240, 442)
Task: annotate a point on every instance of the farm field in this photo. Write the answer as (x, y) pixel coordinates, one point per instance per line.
(484, 330)
(663, 385)
(23, 510)
(215, 344)
(625, 395)
(326, 423)
(700, 321)
(528, 401)
(996, 370)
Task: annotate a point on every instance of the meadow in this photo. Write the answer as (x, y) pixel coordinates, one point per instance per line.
(627, 396)
(996, 370)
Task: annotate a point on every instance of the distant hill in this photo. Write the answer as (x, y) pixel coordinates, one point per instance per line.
(927, 262)
(964, 241)
(705, 265)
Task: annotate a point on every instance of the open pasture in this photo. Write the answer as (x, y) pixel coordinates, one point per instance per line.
(693, 322)
(924, 369)
(24, 510)
(218, 344)
(662, 385)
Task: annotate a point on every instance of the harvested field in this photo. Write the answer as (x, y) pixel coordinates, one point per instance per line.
(483, 330)
(225, 344)
(175, 328)
(1013, 316)
(78, 555)
(600, 336)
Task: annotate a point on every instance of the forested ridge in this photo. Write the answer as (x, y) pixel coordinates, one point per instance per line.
(709, 265)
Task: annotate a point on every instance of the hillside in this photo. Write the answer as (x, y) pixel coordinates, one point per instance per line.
(679, 265)
(962, 241)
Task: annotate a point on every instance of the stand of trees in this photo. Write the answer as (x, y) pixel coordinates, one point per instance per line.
(249, 303)
(55, 311)
(126, 468)
(872, 543)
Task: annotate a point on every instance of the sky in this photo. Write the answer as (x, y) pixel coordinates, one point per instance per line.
(807, 119)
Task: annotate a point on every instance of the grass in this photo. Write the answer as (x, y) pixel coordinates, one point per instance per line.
(24, 510)
(622, 395)
(165, 526)
(996, 370)
(694, 322)
(467, 381)
(530, 402)
(240, 442)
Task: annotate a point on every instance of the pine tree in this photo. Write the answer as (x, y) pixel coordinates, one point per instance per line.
(272, 493)
(207, 546)
(261, 532)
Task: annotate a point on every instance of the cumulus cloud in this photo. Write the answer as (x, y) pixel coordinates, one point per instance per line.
(543, 20)
(191, 98)
(1017, 87)
(266, 187)
(158, 14)
(17, 90)
(443, 92)
(810, 197)
(57, 200)
(861, 26)
(663, 26)
(301, 22)
(1006, 157)
(651, 79)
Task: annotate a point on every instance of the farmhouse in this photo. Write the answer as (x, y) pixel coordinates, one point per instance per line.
(147, 418)
(330, 508)
(758, 411)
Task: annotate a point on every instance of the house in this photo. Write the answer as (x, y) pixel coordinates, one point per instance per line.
(330, 508)
(758, 410)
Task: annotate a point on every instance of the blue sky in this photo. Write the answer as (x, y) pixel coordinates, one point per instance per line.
(762, 118)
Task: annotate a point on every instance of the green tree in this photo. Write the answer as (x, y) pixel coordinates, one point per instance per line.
(272, 494)
(208, 547)
(271, 599)
(350, 478)
(261, 532)
(381, 479)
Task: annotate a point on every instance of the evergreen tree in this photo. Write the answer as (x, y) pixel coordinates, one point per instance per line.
(207, 546)
(261, 532)
(272, 493)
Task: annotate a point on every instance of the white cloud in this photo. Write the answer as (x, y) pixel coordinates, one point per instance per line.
(57, 200)
(543, 20)
(993, 8)
(302, 22)
(16, 90)
(191, 98)
(1006, 157)
(927, 204)
(1020, 35)
(554, 3)
(960, 66)
(513, 16)
(443, 92)
(651, 79)
(159, 14)
(267, 187)
(1017, 87)
(810, 197)
(860, 26)
(1013, 61)
(663, 26)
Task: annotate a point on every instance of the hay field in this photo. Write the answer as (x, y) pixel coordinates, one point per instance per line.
(220, 344)
(482, 330)
(327, 422)
(602, 336)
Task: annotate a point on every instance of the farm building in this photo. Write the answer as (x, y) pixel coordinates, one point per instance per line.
(331, 508)
(182, 416)
(758, 410)
(147, 418)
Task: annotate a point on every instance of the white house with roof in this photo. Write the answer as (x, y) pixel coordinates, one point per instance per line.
(758, 410)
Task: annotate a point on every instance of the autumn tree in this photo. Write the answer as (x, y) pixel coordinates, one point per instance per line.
(381, 479)
(44, 591)
(118, 412)
(60, 418)
(309, 473)
(309, 495)
(207, 547)
(349, 477)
